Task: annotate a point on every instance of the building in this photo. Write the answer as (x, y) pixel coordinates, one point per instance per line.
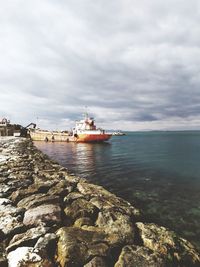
(6, 129)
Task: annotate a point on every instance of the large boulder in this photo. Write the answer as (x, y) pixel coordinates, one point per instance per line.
(9, 209)
(92, 190)
(10, 217)
(168, 245)
(76, 246)
(117, 224)
(11, 225)
(48, 214)
(37, 200)
(103, 199)
(40, 187)
(81, 208)
(140, 257)
(29, 238)
(61, 189)
(72, 196)
(46, 245)
(27, 257)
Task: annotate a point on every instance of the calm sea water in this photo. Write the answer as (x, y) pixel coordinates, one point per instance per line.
(158, 172)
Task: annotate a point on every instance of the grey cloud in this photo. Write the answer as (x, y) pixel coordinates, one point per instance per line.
(126, 60)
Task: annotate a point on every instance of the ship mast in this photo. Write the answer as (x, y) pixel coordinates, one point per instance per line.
(86, 116)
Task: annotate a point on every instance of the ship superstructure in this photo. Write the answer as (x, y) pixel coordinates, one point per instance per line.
(86, 131)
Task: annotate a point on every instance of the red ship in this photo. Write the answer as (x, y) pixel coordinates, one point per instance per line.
(86, 131)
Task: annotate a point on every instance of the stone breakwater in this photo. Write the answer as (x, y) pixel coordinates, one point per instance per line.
(49, 217)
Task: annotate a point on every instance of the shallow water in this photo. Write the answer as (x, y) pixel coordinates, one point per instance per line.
(158, 172)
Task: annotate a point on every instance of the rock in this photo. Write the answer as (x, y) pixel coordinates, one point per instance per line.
(42, 185)
(9, 209)
(72, 196)
(27, 256)
(76, 246)
(18, 195)
(103, 199)
(48, 214)
(46, 245)
(3, 159)
(5, 201)
(108, 202)
(83, 221)
(5, 190)
(72, 179)
(168, 245)
(81, 208)
(18, 181)
(37, 200)
(139, 256)
(92, 190)
(10, 218)
(28, 238)
(62, 188)
(11, 225)
(116, 223)
(96, 262)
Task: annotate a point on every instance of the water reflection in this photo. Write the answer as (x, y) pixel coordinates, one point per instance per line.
(82, 158)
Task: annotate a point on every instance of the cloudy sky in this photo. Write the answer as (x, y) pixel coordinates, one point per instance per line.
(135, 64)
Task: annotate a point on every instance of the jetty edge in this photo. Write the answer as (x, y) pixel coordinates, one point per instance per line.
(49, 217)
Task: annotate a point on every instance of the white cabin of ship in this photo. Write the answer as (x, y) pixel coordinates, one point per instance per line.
(85, 124)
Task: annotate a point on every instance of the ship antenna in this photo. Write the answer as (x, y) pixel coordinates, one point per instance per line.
(86, 112)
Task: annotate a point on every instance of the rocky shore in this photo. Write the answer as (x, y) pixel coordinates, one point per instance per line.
(49, 217)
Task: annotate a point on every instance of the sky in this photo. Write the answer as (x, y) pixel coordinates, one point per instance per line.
(134, 64)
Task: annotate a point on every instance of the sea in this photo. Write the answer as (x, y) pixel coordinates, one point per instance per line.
(158, 172)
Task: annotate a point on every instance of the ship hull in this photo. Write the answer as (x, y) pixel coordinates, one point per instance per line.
(51, 136)
(93, 138)
(63, 137)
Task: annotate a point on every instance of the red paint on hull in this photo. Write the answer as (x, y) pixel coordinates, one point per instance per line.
(93, 137)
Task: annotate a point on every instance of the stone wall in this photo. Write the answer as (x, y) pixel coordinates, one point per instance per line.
(51, 218)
